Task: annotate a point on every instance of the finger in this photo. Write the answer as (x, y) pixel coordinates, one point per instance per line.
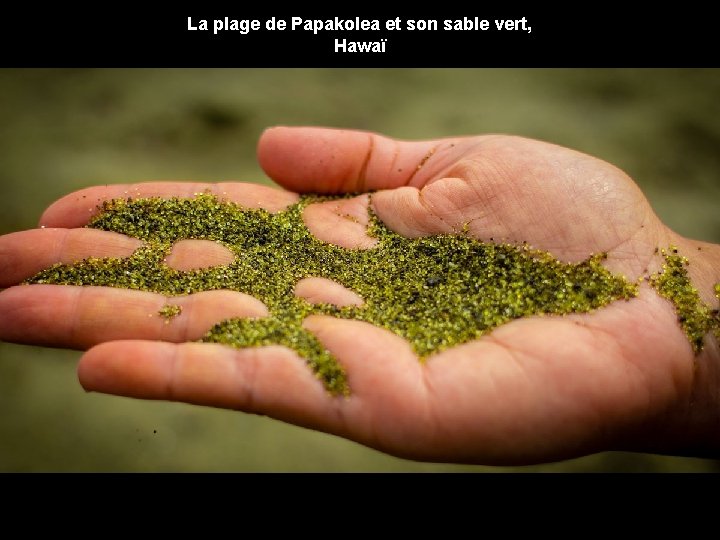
(332, 161)
(196, 254)
(75, 209)
(343, 222)
(320, 290)
(79, 317)
(23, 254)
(272, 380)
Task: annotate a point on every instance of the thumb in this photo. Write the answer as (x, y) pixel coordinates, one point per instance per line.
(324, 160)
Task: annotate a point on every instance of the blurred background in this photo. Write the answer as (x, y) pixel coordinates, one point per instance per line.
(61, 130)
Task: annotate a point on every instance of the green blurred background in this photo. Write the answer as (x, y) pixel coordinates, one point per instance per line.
(61, 130)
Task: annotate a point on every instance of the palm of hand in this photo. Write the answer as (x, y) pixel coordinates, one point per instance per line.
(534, 389)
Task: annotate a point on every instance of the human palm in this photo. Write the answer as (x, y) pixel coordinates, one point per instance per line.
(535, 389)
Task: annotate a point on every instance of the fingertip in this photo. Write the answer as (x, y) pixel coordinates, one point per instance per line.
(317, 159)
(267, 139)
(48, 216)
(267, 149)
(132, 368)
(94, 374)
(85, 372)
(74, 209)
(302, 158)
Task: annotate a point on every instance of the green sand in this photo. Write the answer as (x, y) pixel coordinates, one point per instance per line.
(695, 316)
(436, 292)
(169, 312)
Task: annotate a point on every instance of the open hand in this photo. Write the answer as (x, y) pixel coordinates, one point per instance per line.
(536, 389)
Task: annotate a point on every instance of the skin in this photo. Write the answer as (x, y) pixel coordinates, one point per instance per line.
(537, 389)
